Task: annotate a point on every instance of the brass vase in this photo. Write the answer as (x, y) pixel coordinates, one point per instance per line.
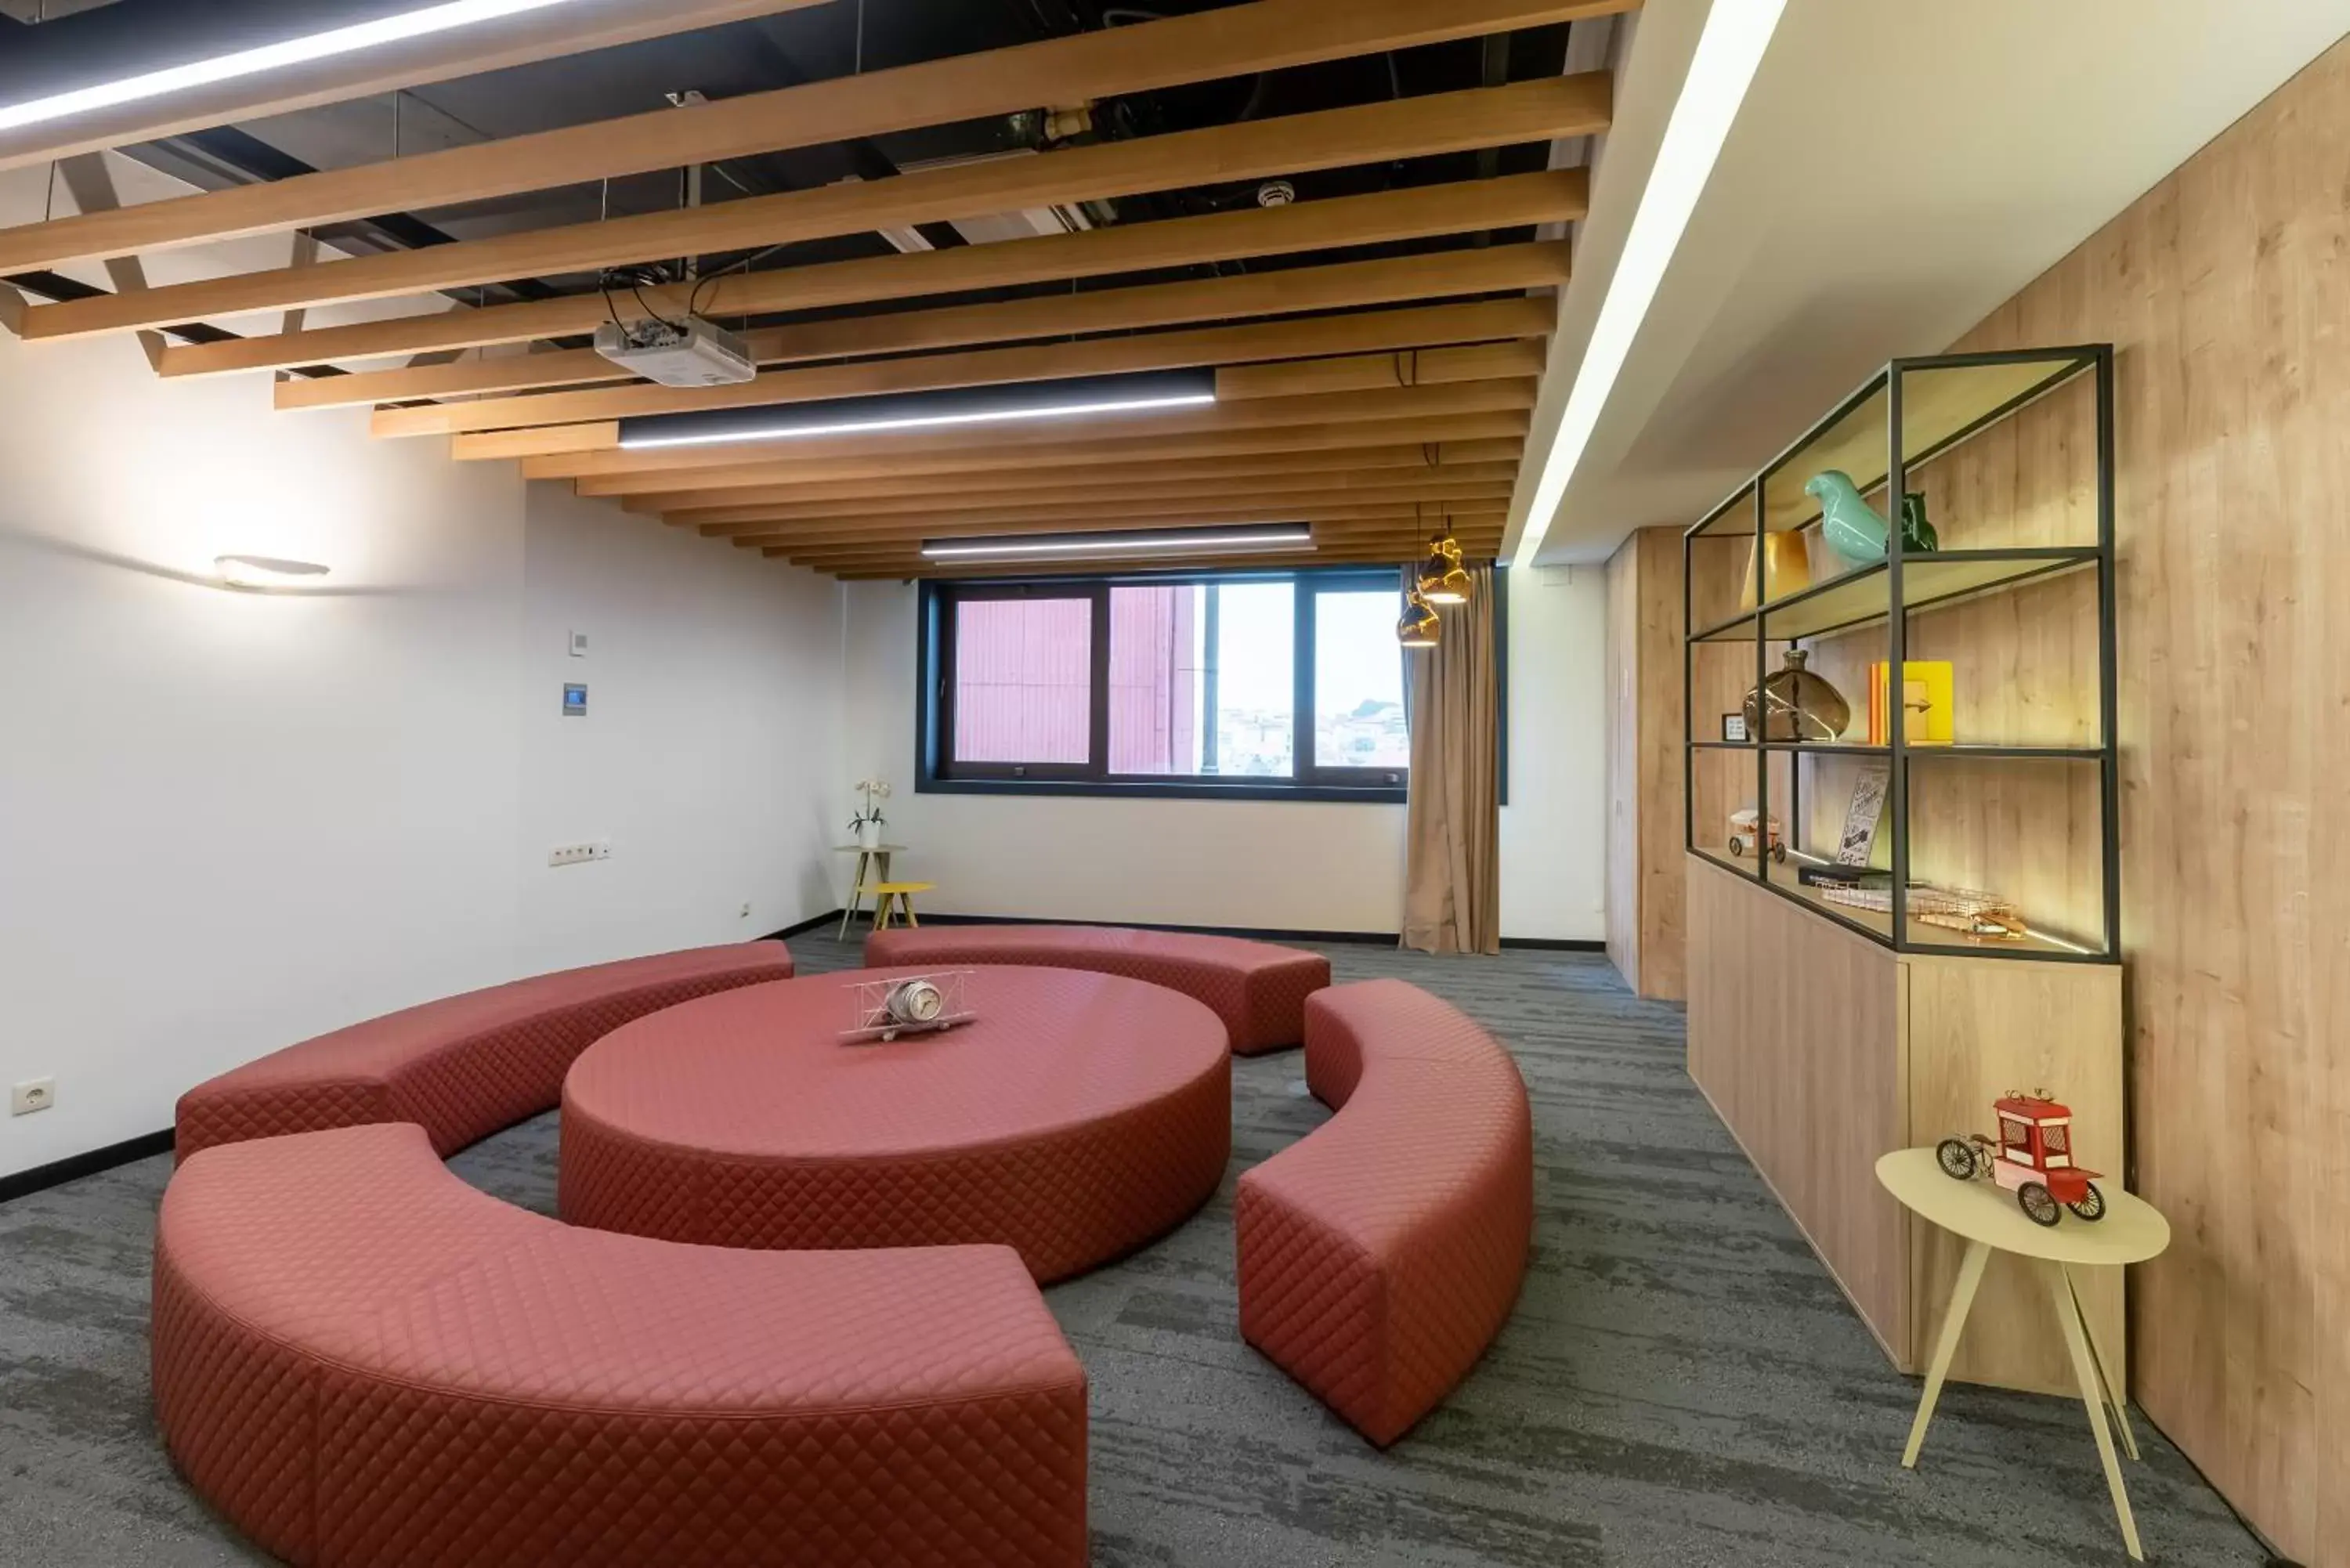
(1802, 706)
(1786, 566)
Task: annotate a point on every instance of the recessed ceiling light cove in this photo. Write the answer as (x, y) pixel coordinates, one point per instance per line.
(1729, 52)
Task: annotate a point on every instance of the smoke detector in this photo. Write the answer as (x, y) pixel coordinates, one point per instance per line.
(1275, 193)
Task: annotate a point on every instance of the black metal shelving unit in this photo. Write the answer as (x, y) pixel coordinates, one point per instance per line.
(1925, 407)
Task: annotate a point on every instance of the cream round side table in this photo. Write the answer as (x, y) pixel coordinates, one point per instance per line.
(872, 865)
(1985, 1214)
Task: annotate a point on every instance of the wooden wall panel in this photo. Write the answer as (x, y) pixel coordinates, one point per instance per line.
(1979, 1028)
(1647, 934)
(1788, 1013)
(2226, 292)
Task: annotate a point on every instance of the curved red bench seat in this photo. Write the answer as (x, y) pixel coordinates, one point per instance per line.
(1380, 1255)
(1257, 988)
(365, 1363)
(464, 1066)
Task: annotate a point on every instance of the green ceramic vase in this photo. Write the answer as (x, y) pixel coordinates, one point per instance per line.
(1917, 535)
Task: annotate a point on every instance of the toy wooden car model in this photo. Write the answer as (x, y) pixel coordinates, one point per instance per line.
(1742, 834)
(2033, 1160)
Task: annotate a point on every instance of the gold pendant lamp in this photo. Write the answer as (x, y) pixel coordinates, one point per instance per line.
(1443, 580)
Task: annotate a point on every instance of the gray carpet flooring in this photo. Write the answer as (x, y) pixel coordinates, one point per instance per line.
(1681, 1385)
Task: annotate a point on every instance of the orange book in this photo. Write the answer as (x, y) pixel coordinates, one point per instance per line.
(1926, 693)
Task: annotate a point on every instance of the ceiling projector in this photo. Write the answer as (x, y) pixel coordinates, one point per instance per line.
(689, 353)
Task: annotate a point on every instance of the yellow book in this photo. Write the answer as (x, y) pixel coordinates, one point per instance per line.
(1926, 700)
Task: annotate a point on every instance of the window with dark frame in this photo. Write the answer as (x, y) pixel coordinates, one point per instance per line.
(1231, 685)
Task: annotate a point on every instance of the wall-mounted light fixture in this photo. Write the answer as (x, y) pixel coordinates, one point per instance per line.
(266, 572)
(1284, 536)
(1443, 580)
(1418, 627)
(267, 57)
(1071, 399)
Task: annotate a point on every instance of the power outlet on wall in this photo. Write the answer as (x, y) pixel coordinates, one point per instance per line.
(32, 1094)
(578, 854)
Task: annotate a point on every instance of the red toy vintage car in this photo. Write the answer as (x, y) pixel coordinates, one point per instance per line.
(2033, 1160)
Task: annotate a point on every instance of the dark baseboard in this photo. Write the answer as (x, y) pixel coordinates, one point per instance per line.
(1254, 933)
(830, 917)
(74, 1166)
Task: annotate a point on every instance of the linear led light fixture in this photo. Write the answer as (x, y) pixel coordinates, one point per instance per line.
(925, 410)
(1276, 537)
(1729, 52)
(266, 57)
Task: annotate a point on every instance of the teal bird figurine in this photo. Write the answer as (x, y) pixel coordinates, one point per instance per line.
(1852, 528)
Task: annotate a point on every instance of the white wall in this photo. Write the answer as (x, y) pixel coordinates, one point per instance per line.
(229, 821)
(711, 757)
(1553, 831)
(1276, 865)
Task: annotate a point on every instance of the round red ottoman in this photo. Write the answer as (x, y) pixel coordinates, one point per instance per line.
(1078, 1116)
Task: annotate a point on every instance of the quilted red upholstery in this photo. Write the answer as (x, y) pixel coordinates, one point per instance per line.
(1077, 1117)
(465, 1067)
(365, 1363)
(1257, 988)
(1380, 1255)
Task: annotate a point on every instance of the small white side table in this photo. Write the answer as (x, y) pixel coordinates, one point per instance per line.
(1985, 1214)
(876, 859)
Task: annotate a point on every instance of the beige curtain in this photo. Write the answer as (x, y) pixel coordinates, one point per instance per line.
(1452, 869)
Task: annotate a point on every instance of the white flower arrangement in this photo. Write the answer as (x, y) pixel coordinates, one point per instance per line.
(875, 790)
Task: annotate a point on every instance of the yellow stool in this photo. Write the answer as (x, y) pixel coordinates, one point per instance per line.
(881, 893)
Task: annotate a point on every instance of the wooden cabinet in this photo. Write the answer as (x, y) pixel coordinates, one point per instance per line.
(1822, 1049)
(1902, 905)
(1646, 936)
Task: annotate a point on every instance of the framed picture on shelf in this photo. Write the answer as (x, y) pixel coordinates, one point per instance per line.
(1861, 818)
(1733, 727)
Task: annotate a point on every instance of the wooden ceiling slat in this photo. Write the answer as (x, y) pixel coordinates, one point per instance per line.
(1379, 523)
(1257, 560)
(1514, 200)
(1427, 367)
(1330, 552)
(1477, 117)
(782, 504)
(1087, 519)
(1438, 433)
(1388, 528)
(574, 460)
(1272, 34)
(1343, 285)
(1427, 361)
(1346, 469)
(488, 46)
